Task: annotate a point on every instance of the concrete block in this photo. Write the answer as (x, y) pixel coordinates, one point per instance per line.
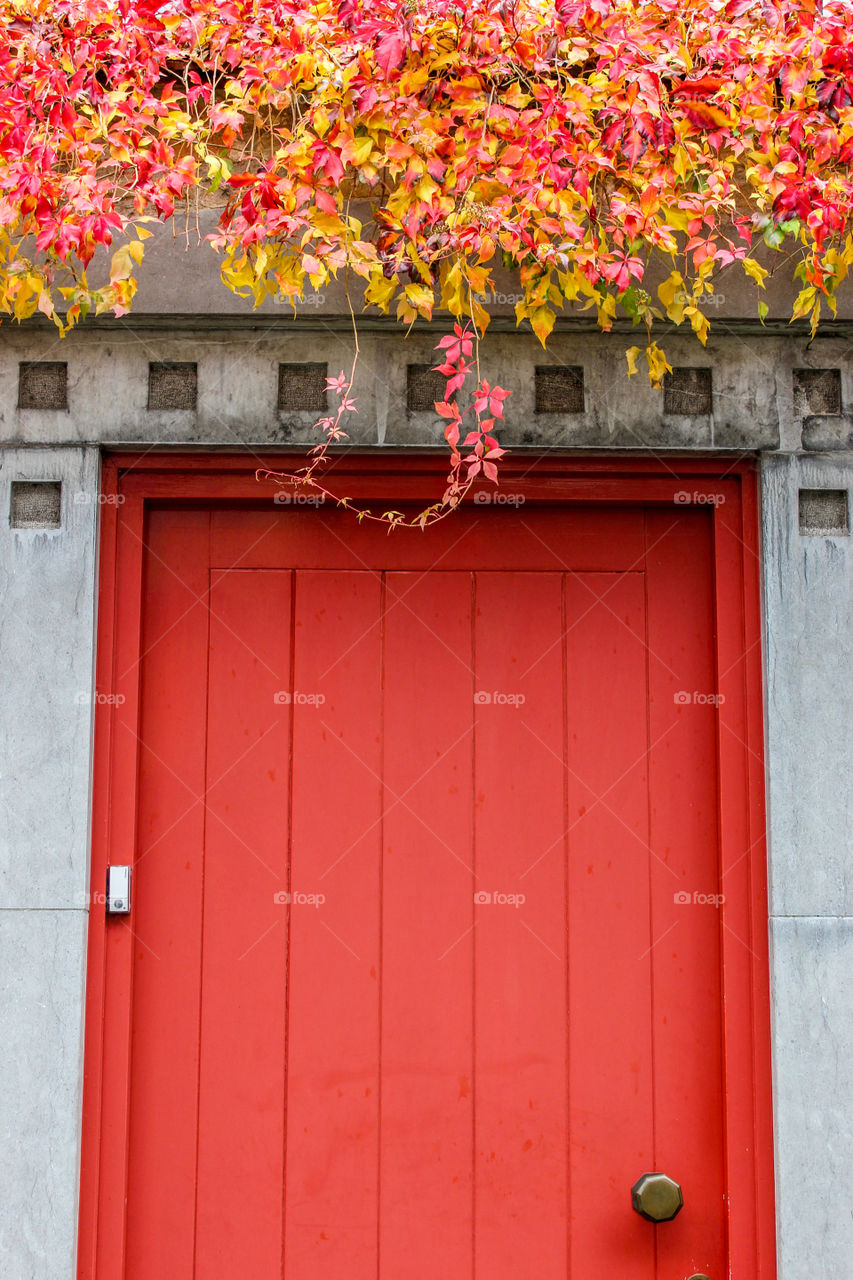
(824, 433)
(47, 612)
(808, 601)
(42, 959)
(813, 1085)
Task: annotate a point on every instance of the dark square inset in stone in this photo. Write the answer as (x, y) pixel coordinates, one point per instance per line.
(817, 392)
(302, 386)
(42, 384)
(687, 391)
(172, 384)
(824, 511)
(559, 388)
(35, 504)
(423, 387)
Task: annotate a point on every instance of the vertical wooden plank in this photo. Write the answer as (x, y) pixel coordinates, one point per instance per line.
(686, 919)
(426, 1036)
(244, 934)
(333, 1037)
(611, 941)
(165, 921)
(744, 941)
(114, 830)
(520, 941)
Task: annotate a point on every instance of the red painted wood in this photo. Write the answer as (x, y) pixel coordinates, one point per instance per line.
(611, 1066)
(263, 540)
(166, 919)
(368, 1101)
(685, 960)
(240, 1158)
(118, 937)
(333, 1090)
(426, 1038)
(521, 1042)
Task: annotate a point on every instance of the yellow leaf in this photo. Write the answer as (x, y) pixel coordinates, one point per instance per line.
(804, 303)
(421, 297)
(121, 267)
(631, 356)
(380, 291)
(673, 297)
(755, 271)
(542, 322)
(362, 149)
(700, 323)
(657, 363)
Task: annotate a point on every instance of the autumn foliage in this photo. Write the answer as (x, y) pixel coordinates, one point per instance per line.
(415, 147)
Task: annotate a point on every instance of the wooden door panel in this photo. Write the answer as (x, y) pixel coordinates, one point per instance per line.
(413, 987)
(684, 839)
(332, 1049)
(166, 922)
(425, 1210)
(547, 540)
(521, 1139)
(609, 931)
(244, 933)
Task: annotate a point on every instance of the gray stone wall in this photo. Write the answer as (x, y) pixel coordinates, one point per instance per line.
(47, 592)
(808, 590)
(759, 400)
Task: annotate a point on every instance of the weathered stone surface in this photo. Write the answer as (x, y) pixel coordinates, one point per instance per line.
(47, 612)
(808, 601)
(812, 960)
(824, 433)
(42, 962)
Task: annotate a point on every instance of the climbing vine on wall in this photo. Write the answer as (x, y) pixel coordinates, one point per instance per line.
(414, 148)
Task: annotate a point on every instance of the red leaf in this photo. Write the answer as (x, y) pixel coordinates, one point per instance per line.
(389, 51)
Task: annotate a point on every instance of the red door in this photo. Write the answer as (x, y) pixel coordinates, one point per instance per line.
(424, 966)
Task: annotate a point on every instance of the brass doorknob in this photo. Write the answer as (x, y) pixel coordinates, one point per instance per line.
(656, 1197)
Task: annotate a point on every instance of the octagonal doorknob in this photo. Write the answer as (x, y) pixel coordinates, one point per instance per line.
(656, 1197)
